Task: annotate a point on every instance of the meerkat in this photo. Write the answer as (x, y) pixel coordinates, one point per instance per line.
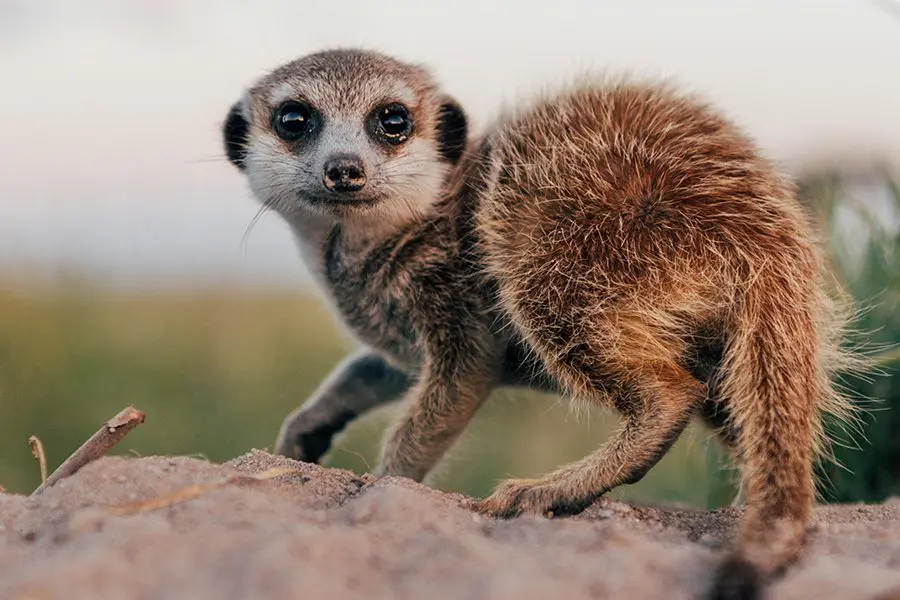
(614, 241)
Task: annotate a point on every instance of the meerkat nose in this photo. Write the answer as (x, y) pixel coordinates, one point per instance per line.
(344, 173)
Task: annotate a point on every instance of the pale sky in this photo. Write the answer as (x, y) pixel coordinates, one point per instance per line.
(110, 156)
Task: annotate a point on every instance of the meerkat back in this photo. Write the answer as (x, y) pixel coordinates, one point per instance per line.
(632, 230)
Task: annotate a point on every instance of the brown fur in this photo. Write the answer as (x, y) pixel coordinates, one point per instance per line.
(616, 241)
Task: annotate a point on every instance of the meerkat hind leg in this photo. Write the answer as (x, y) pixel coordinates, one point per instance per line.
(661, 407)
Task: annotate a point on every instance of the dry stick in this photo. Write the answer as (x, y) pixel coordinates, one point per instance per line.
(195, 491)
(97, 445)
(37, 451)
(87, 520)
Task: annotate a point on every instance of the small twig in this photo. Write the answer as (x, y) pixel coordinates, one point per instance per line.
(97, 445)
(91, 519)
(194, 491)
(357, 455)
(37, 451)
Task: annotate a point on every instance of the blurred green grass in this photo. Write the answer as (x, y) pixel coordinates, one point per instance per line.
(217, 370)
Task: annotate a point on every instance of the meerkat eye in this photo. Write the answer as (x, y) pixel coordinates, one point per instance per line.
(292, 120)
(394, 123)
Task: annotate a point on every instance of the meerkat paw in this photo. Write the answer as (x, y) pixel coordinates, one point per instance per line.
(304, 436)
(545, 497)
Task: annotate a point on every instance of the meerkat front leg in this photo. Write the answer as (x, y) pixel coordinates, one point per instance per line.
(657, 408)
(440, 405)
(360, 383)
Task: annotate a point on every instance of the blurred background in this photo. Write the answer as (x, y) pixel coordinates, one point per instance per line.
(128, 273)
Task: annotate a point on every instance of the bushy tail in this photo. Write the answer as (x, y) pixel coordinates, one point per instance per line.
(778, 368)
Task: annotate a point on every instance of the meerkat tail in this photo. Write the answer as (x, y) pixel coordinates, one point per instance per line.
(779, 388)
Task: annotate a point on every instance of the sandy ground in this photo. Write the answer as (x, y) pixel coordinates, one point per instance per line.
(184, 528)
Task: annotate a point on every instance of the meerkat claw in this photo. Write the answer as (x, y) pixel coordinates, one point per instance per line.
(517, 497)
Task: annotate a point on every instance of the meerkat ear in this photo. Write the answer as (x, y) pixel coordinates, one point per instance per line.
(452, 130)
(234, 132)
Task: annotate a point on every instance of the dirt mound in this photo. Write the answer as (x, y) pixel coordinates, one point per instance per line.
(262, 526)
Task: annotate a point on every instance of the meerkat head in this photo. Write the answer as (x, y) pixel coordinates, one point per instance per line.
(346, 133)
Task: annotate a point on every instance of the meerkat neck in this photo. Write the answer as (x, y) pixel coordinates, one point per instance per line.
(310, 229)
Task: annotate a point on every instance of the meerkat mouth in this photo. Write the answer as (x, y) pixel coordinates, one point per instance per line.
(342, 199)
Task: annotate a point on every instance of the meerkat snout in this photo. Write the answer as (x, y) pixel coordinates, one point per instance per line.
(344, 173)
